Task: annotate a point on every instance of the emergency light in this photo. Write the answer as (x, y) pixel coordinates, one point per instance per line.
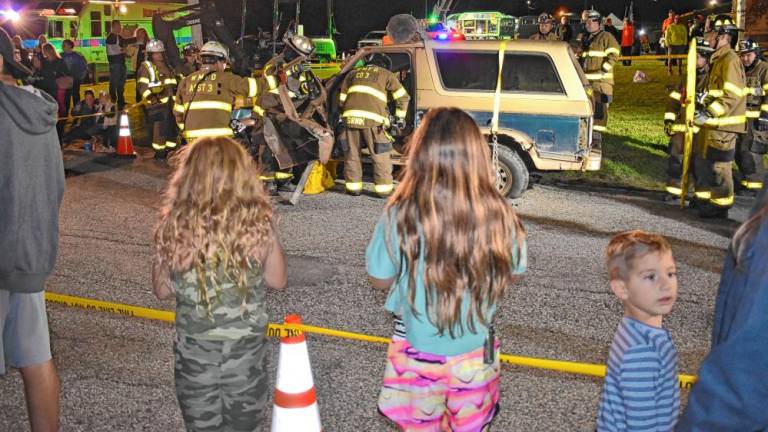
(10, 14)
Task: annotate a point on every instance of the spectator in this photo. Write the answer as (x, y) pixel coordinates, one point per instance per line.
(430, 362)
(641, 390)
(627, 40)
(676, 37)
(219, 275)
(54, 78)
(116, 44)
(564, 30)
(610, 28)
(107, 122)
(24, 55)
(85, 128)
(732, 387)
(663, 45)
(139, 54)
(697, 27)
(78, 68)
(32, 176)
(38, 50)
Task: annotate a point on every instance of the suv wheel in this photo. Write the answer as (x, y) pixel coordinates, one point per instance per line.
(512, 172)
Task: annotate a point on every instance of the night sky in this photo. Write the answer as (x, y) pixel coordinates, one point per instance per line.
(356, 17)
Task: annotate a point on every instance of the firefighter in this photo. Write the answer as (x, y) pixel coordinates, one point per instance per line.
(205, 98)
(191, 60)
(722, 117)
(546, 24)
(674, 119)
(599, 51)
(156, 84)
(363, 102)
(749, 150)
(292, 68)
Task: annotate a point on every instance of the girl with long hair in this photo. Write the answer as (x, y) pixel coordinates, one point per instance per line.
(217, 248)
(447, 246)
(732, 387)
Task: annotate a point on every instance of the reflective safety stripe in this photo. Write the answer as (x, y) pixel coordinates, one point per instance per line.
(199, 105)
(752, 91)
(169, 81)
(271, 82)
(368, 90)
(703, 194)
(716, 93)
(676, 95)
(732, 88)
(607, 67)
(726, 121)
(366, 115)
(400, 113)
(266, 178)
(258, 110)
(164, 100)
(146, 94)
(753, 114)
(722, 202)
(716, 108)
(143, 80)
(212, 132)
(283, 175)
(170, 144)
(612, 50)
(764, 107)
(399, 93)
(180, 125)
(253, 87)
(670, 116)
(158, 146)
(598, 75)
(599, 128)
(354, 186)
(179, 108)
(765, 87)
(674, 190)
(383, 188)
(752, 184)
(342, 97)
(681, 128)
(594, 54)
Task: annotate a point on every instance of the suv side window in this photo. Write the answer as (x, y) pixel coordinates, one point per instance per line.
(478, 71)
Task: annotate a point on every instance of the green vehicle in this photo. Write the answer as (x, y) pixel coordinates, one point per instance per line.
(88, 24)
(483, 25)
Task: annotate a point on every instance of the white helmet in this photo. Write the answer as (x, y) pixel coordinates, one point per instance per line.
(215, 49)
(155, 46)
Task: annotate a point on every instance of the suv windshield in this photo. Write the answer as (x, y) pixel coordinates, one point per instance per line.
(478, 71)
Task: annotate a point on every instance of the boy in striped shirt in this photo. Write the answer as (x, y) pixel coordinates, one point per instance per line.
(641, 391)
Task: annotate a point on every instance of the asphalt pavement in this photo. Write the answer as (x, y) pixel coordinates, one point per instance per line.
(117, 372)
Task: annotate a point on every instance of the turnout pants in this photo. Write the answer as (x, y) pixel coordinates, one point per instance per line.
(675, 164)
(749, 161)
(714, 177)
(602, 95)
(373, 139)
(160, 119)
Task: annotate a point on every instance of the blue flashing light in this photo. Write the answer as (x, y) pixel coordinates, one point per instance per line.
(442, 36)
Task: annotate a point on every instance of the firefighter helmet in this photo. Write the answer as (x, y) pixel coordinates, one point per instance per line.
(724, 24)
(594, 15)
(215, 49)
(748, 46)
(545, 18)
(301, 45)
(191, 49)
(155, 46)
(703, 47)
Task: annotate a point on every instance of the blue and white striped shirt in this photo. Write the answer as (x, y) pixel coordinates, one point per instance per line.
(641, 391)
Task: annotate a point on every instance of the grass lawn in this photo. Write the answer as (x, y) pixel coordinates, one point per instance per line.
(635, 147)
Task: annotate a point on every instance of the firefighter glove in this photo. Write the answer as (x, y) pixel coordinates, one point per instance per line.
(700, 118)
(668, 127)
(399, 123)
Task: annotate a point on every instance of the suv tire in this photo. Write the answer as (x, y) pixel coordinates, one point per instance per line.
(513, 172)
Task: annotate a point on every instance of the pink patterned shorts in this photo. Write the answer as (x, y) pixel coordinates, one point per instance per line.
(420, 389)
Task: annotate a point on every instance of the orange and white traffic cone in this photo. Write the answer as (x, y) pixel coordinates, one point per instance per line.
(124, 140)
(295, 398)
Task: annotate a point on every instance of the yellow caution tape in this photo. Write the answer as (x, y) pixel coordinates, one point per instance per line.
(652, 57)
(285, 330)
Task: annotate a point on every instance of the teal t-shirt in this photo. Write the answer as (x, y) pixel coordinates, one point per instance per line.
(384, 263)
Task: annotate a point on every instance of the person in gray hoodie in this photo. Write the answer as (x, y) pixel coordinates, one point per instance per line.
(31, 189)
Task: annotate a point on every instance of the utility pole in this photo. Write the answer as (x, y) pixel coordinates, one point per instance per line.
(197, 32)
(740, 12)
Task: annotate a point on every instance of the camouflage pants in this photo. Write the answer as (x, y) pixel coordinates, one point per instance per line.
(222, 385)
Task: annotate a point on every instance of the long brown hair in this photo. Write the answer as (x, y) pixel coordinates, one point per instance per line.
(746, 231)
(449, 210)
(216, 213)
